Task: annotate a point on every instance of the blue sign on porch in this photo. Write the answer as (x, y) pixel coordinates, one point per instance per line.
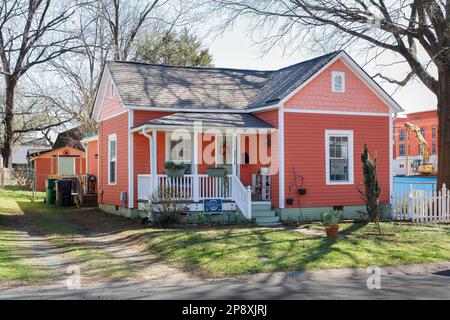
(212, 205)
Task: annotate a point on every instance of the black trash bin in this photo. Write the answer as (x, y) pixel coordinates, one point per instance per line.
(64, 193)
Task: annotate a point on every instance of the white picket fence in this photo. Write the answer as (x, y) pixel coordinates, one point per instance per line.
(422, 206)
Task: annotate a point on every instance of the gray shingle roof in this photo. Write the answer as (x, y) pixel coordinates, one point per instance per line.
(164, 86)
(217, 120)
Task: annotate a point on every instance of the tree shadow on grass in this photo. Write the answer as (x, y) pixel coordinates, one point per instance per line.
(278, 253)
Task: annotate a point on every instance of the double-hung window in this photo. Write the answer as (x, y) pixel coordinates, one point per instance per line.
(112, 159)
(339, 156)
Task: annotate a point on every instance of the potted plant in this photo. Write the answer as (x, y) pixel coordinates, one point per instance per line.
(173, 169)
(216, 172)
(330, 220)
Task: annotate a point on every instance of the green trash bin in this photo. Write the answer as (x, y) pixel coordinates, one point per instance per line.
(50, 185)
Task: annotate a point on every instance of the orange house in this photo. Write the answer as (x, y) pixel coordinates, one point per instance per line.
(288, 140)
(56, 163)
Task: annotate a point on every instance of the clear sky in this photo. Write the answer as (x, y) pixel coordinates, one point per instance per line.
(235, 49)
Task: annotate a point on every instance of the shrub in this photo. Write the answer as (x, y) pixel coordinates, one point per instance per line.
(371, 193)
(163, 207)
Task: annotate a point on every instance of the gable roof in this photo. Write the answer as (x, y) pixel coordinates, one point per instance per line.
(222, 90)
(165, 86)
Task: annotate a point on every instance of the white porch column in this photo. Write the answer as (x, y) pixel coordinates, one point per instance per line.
(238, 154)
(234, 152)
(153, 161)
(196, 181)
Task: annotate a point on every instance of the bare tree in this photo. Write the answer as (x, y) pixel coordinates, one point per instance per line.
(125, 20)
(73, 89)
(417, 31)
(32, 32)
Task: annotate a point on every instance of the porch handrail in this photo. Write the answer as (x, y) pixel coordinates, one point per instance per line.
(242, 196)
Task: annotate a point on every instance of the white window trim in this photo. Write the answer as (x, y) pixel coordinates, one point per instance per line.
(112, 137)
(168, 140)
(333, 76)
(112, 88)
(339, 133)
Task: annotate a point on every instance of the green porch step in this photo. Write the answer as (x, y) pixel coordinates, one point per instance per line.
(263, 215)
(256, 206)
(260, 213)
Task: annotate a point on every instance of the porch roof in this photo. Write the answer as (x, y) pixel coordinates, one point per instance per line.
(208, 120)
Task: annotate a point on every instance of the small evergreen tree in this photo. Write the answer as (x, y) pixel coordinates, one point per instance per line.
(175, 48)
(371, 192)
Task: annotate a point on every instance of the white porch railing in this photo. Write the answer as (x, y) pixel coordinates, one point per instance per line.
(422, 206)
(182, 188)
(214, 187)
(242, 196)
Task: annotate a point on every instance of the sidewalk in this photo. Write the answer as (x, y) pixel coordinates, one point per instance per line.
(428, 281)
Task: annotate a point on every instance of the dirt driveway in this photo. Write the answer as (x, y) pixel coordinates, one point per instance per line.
(55, 244)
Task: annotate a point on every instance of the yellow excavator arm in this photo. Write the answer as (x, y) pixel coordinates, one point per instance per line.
(423, 144)
(426, 167)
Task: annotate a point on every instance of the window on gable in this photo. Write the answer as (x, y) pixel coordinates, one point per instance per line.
(339, 156)
(113, 89)
(112, 159)
(338, 81)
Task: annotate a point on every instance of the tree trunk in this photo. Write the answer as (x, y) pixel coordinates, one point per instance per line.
(443, 96)
(8, 134)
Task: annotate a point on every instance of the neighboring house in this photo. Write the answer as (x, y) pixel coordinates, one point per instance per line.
(25, 146)
(319, 114)
(404, 139)
(66, 159)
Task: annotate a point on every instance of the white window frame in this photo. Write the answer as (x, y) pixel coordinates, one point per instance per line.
(168, 150)
(112, 88)
(333, 76)
(112, 137)
(339, 133)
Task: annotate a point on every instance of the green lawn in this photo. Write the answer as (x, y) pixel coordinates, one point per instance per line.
(14, 265)
(234, 251)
